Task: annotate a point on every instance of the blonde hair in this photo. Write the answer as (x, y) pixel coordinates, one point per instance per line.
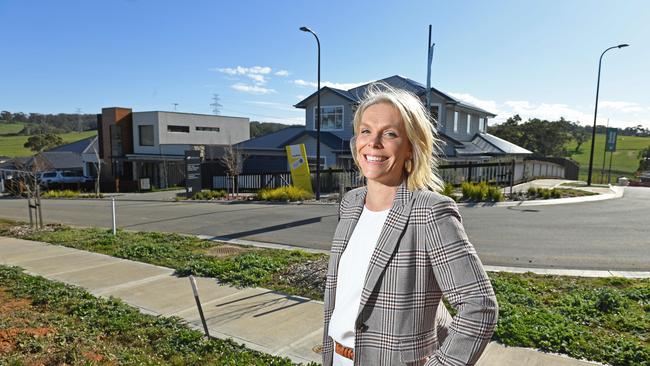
(420, 130)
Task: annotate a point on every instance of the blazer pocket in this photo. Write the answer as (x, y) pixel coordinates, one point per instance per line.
(419, 347)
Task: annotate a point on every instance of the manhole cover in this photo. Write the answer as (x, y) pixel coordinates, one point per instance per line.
(318, 348)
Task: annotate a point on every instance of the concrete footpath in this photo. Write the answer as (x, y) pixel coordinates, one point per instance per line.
(262, 319)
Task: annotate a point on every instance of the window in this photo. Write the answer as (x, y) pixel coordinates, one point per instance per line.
(482, 123)
(49, 175)
(211, 129)
(331, 118)
(456, 122)
(311, 160)
(173, 128)
(469, 122)
(146, 135)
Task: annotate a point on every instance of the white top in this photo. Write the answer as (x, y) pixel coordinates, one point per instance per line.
(353, 266)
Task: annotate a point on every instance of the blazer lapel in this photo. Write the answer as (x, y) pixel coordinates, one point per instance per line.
(388, 239)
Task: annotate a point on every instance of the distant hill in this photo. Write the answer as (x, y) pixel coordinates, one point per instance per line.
(264, 128)
(37, 123)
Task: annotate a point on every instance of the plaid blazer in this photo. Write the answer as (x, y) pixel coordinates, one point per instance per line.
(422, 254)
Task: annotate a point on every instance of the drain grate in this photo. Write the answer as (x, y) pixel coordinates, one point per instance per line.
(226, 251)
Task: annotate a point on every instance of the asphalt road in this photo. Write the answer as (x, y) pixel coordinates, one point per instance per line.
(610, 235)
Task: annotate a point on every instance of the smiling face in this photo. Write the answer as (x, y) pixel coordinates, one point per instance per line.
(382, 145)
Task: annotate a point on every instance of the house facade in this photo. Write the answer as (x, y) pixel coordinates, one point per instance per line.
(152, 145)
(461, 126)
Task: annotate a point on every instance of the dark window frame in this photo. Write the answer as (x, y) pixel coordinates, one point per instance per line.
(178, 129)
(141, 140)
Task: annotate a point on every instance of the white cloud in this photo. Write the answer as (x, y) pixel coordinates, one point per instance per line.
(258, 78)
(547, 111)
(625, 107)
(282, 73)
(301, 97)
(239, 70)
(488, 105)
(344, 86)
(253, 89)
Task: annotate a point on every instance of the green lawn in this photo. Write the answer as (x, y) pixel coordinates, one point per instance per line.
(13, 145)
(624, 161)
(9, 128)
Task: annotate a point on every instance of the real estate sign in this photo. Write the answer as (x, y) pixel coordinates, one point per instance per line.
(610, 139)
(297, 157)
(192, 172)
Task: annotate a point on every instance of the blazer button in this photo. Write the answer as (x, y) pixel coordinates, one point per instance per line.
(362, 327)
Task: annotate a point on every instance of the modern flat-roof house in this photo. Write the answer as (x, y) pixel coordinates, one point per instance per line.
(152, 145)
(461, 126)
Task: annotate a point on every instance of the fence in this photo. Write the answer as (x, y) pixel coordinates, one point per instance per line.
(502, 174)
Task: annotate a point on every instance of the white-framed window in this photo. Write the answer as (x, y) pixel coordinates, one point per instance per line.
(455, 122)
(331, 117)
(469, 122)
(482, 122)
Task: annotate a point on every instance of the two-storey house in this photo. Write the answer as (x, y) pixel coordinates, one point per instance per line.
(152, 145)
(461, 126)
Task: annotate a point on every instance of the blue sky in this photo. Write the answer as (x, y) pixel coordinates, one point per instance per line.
(535, 58)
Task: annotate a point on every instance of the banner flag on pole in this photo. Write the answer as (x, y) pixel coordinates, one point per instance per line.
(297, 157)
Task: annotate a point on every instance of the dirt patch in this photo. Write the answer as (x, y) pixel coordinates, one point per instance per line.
(9, 309)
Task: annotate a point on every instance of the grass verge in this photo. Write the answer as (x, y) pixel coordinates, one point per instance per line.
(236, 265)
(600, 319)
(49, 323)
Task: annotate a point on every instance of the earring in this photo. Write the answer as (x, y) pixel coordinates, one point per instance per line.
(408, 165)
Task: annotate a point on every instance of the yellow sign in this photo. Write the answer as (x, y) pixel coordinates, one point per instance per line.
(299, 167)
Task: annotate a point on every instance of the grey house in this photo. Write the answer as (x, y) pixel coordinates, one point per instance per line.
(461, 126)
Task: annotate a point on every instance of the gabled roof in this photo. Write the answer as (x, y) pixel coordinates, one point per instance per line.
(279, 139)
(490, 145)
(61, 160)
(501, 144)
(77, 146)
(396, 81)
(272, 140)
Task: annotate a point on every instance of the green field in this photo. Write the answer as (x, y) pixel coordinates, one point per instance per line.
(9, 128)
(13, 145)
(624, 161)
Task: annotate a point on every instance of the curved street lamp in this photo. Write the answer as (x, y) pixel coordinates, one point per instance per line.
(593, 131)
(305, 29)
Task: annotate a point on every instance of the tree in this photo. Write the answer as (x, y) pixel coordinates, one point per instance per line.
(644, 162)
(38, 143)
(216, 106)
(508, 130)
(233, 160)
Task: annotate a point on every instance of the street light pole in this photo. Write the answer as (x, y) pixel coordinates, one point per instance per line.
(305, 29)
(593, 131)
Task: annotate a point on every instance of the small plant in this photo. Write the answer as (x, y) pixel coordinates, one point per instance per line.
(480, 192)
(532, 192)
(287, 193)
(66, 193)
(208, 195)
(448, 191)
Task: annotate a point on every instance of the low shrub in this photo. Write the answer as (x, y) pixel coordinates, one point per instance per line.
(208, 195)
(287, 193)
(448, 191)
(66, 193)
(479, 192)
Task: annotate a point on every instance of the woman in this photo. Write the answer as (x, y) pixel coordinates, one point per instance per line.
(399, 248)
